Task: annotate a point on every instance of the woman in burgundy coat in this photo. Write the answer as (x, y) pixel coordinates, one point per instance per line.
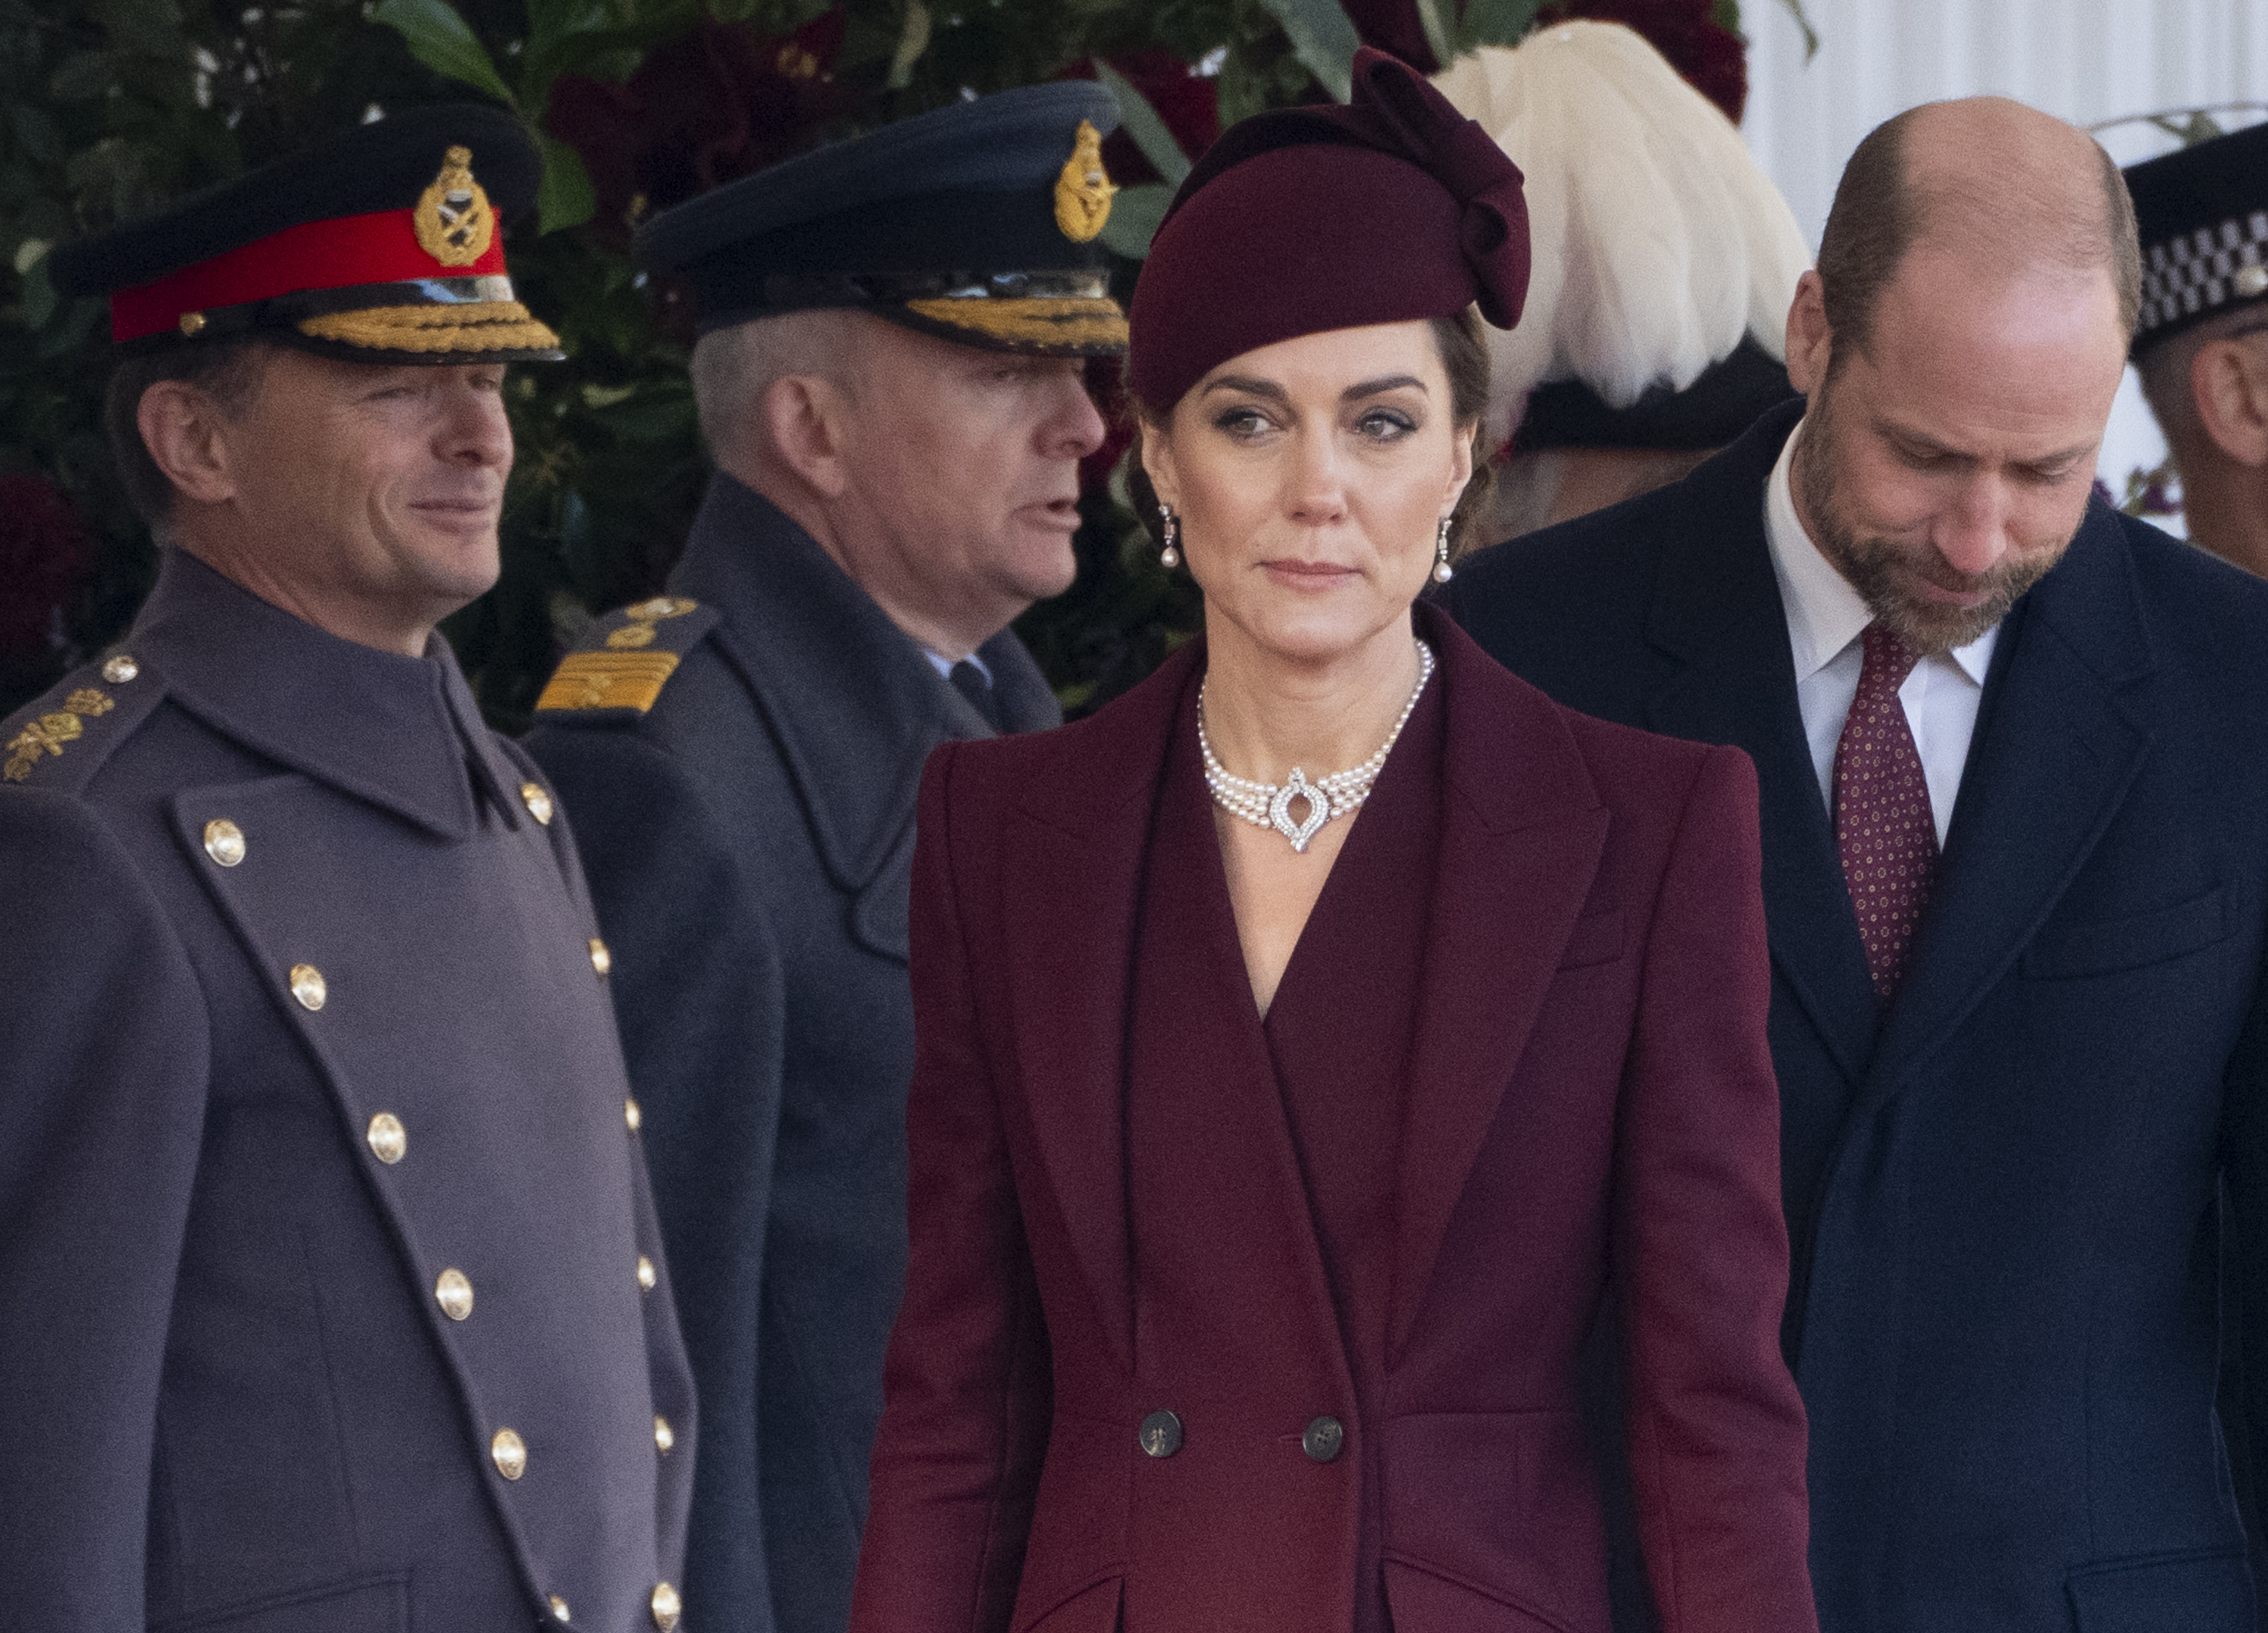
(1268, 1165)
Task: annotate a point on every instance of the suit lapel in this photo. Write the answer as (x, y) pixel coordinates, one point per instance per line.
(1716, 614)
(1079, 835)
(1521, 833)
(2055, 752)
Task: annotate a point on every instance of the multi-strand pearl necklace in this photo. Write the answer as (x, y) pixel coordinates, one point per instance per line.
(1269, 805)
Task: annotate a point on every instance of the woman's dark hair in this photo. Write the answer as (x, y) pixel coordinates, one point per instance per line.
(1464, 359)
(227, 371)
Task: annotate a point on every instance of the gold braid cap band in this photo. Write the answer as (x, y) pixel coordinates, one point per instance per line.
(480, 326)
(1070, 321)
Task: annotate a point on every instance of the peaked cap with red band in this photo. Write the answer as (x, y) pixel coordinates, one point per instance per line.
(1395, 207)
(382, 245)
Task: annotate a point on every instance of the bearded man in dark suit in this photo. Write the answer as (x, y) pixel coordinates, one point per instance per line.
(2015, 832)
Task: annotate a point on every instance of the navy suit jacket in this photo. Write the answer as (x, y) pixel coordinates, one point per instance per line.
(2003, 1194)
(749, 838)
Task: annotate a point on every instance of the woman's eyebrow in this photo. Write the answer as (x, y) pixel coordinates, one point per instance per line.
(1372, 388)
(1249, 385)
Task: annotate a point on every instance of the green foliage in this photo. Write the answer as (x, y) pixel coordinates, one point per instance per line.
(108, 109)
(1451, 30)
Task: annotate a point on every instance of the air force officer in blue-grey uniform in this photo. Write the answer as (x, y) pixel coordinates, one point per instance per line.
(331, 1293)
(890, 376)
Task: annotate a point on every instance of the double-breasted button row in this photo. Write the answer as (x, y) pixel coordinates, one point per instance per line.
(1324, 1438)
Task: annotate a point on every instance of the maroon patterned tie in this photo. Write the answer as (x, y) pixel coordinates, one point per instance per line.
(1882, 821)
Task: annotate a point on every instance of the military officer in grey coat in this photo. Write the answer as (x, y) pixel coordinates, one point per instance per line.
(332, 1298)
(889, 377)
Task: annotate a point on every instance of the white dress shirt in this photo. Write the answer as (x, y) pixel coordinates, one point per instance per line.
(944, 664)
(1825, 618)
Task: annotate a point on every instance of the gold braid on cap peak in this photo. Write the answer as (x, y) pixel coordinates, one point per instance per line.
(486, 326)
(1062, 322)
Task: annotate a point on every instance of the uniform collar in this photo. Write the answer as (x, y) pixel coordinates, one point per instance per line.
(402, 734)
(855, 702)
(1824, 614)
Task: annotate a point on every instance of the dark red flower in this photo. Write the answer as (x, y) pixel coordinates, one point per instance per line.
(1187, 101)
(1713, 58)
(1393, 25)
(718, 103)
(1106, 383)
(46, 553)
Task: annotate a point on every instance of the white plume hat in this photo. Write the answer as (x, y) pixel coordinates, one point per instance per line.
(1658, 242)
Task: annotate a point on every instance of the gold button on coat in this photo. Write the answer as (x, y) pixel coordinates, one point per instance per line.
(558, 1608)
(307, 986)
(665, 1606)
(630, 1114)
(647, 1276)
(389, 1141)
(224, 842)
(452, 1291)
(119, 670)
(664, 1436)
(539, 806)
(601, 959)
(509, 1452)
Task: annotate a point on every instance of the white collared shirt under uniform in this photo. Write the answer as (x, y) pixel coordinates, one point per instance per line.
(1825, 618)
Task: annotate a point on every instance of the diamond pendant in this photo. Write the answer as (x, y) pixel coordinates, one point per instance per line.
(1279, 809)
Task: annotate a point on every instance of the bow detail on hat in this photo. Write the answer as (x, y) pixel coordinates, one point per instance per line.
(1397, 110)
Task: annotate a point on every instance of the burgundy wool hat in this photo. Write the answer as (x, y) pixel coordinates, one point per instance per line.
(1395, 207)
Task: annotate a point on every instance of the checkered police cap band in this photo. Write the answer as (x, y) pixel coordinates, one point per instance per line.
(2197, 273)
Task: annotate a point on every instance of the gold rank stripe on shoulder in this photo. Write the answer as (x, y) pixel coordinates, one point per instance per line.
(615, 679)
(47, 734)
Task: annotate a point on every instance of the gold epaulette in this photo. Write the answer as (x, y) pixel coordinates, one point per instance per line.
(620, 667)
(65, 731)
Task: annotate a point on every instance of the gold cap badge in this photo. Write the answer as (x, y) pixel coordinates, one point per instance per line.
(454, 221)
(1083, 188)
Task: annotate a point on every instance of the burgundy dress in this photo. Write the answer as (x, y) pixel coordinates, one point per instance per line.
(1209, 1324)
(1320, 1085)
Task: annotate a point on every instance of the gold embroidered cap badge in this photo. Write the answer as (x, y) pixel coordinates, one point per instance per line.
(1083, 188)
(454, 221)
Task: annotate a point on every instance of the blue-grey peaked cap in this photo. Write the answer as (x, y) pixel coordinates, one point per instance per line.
(970, 221)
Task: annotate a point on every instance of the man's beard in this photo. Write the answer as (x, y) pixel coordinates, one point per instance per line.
(1874, 566)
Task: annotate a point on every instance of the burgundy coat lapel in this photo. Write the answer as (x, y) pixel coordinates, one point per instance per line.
(1081, 829)
(1522, 831)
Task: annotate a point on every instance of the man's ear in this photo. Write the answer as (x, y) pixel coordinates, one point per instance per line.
(1158, 463)
(2229, 382)
(185, 431)
(806, 427)
(1809, 342)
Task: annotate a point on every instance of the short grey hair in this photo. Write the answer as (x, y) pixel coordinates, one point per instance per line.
(733, 367)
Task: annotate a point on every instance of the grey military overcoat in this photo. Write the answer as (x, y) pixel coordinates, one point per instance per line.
(330, 1287)
(740, 758)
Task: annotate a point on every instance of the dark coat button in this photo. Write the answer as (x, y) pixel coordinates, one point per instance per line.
(1324, 1438)
(1161, 1434)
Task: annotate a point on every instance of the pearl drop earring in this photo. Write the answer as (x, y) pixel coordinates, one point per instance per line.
(1169, 557)
(1442, 572)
